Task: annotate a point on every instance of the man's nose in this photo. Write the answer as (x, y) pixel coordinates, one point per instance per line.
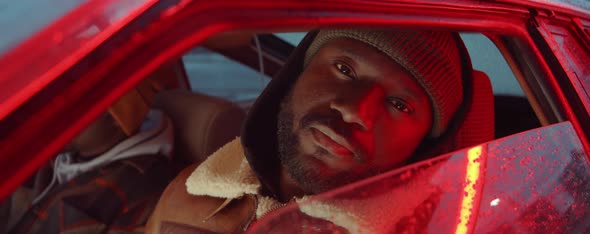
(359, 106)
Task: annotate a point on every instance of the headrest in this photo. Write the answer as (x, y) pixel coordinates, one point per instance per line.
(130, 110)
(478, 123)
(202, 124)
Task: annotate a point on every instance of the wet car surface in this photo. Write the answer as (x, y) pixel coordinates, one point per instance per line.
(56, 81)
(506, 186)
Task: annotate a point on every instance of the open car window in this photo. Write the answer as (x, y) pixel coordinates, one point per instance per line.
(213, 74)
(485, 57)
(32, 15)
(532, 182)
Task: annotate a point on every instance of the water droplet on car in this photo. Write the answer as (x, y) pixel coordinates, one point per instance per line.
(524, 161)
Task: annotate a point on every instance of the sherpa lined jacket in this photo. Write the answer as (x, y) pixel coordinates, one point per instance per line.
(222, 196)
(236, 185)
(218, 196)
(112, 193)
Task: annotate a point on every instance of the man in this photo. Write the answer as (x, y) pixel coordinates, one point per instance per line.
(348, 104)
(108, 179)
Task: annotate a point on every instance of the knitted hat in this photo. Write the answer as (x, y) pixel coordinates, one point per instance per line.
(433, 59)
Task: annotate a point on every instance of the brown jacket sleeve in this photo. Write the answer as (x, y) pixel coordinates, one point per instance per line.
(179, 212)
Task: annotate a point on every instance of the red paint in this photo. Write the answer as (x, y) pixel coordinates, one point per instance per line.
(25, 73)
(48, 127)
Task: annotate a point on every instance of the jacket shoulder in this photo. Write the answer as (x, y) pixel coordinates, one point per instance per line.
(178, 211)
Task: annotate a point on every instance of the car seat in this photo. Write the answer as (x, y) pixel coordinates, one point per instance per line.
(202, 124)
(478, 125)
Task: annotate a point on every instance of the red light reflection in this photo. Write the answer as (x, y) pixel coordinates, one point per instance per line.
(468, 204)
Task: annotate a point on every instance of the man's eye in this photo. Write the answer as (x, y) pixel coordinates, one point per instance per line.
(399, 105)
(344, 69)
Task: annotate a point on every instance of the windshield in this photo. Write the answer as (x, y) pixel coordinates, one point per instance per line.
(36, 61)
(21, 19)
(533, 182)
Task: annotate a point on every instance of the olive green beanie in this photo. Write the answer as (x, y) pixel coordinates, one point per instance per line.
(433, 58)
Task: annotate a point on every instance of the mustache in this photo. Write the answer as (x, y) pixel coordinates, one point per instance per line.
(332, 121)
(335, 122)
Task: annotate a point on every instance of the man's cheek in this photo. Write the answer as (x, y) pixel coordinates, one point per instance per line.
(306, 145)
(367, 142)
(396, 142)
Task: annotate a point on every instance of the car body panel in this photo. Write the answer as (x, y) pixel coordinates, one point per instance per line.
(573, 7)
(43, 57)
(531, 182)
(566, 47)
(41, 110)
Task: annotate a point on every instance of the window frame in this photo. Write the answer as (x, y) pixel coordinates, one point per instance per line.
(87, 88)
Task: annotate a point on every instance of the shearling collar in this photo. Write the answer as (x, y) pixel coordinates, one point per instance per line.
(224, 174)
(227, 175)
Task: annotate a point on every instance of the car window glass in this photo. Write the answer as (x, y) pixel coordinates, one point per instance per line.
(32, 16)
(292, 37)
(531, 182)
(486, 57)
(214, 74)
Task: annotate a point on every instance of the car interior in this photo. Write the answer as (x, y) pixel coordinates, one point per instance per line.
(221, 78)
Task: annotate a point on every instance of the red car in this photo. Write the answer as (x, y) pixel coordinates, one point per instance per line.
(531, 176)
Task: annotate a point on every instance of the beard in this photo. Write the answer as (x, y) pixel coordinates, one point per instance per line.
(310, 174)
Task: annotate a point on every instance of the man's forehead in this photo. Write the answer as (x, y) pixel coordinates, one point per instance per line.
(363, 54)
(349, 47)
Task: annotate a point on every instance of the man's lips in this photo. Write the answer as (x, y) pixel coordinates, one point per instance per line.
(334, 143)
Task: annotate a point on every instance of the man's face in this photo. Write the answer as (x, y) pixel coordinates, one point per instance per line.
(352, 113)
